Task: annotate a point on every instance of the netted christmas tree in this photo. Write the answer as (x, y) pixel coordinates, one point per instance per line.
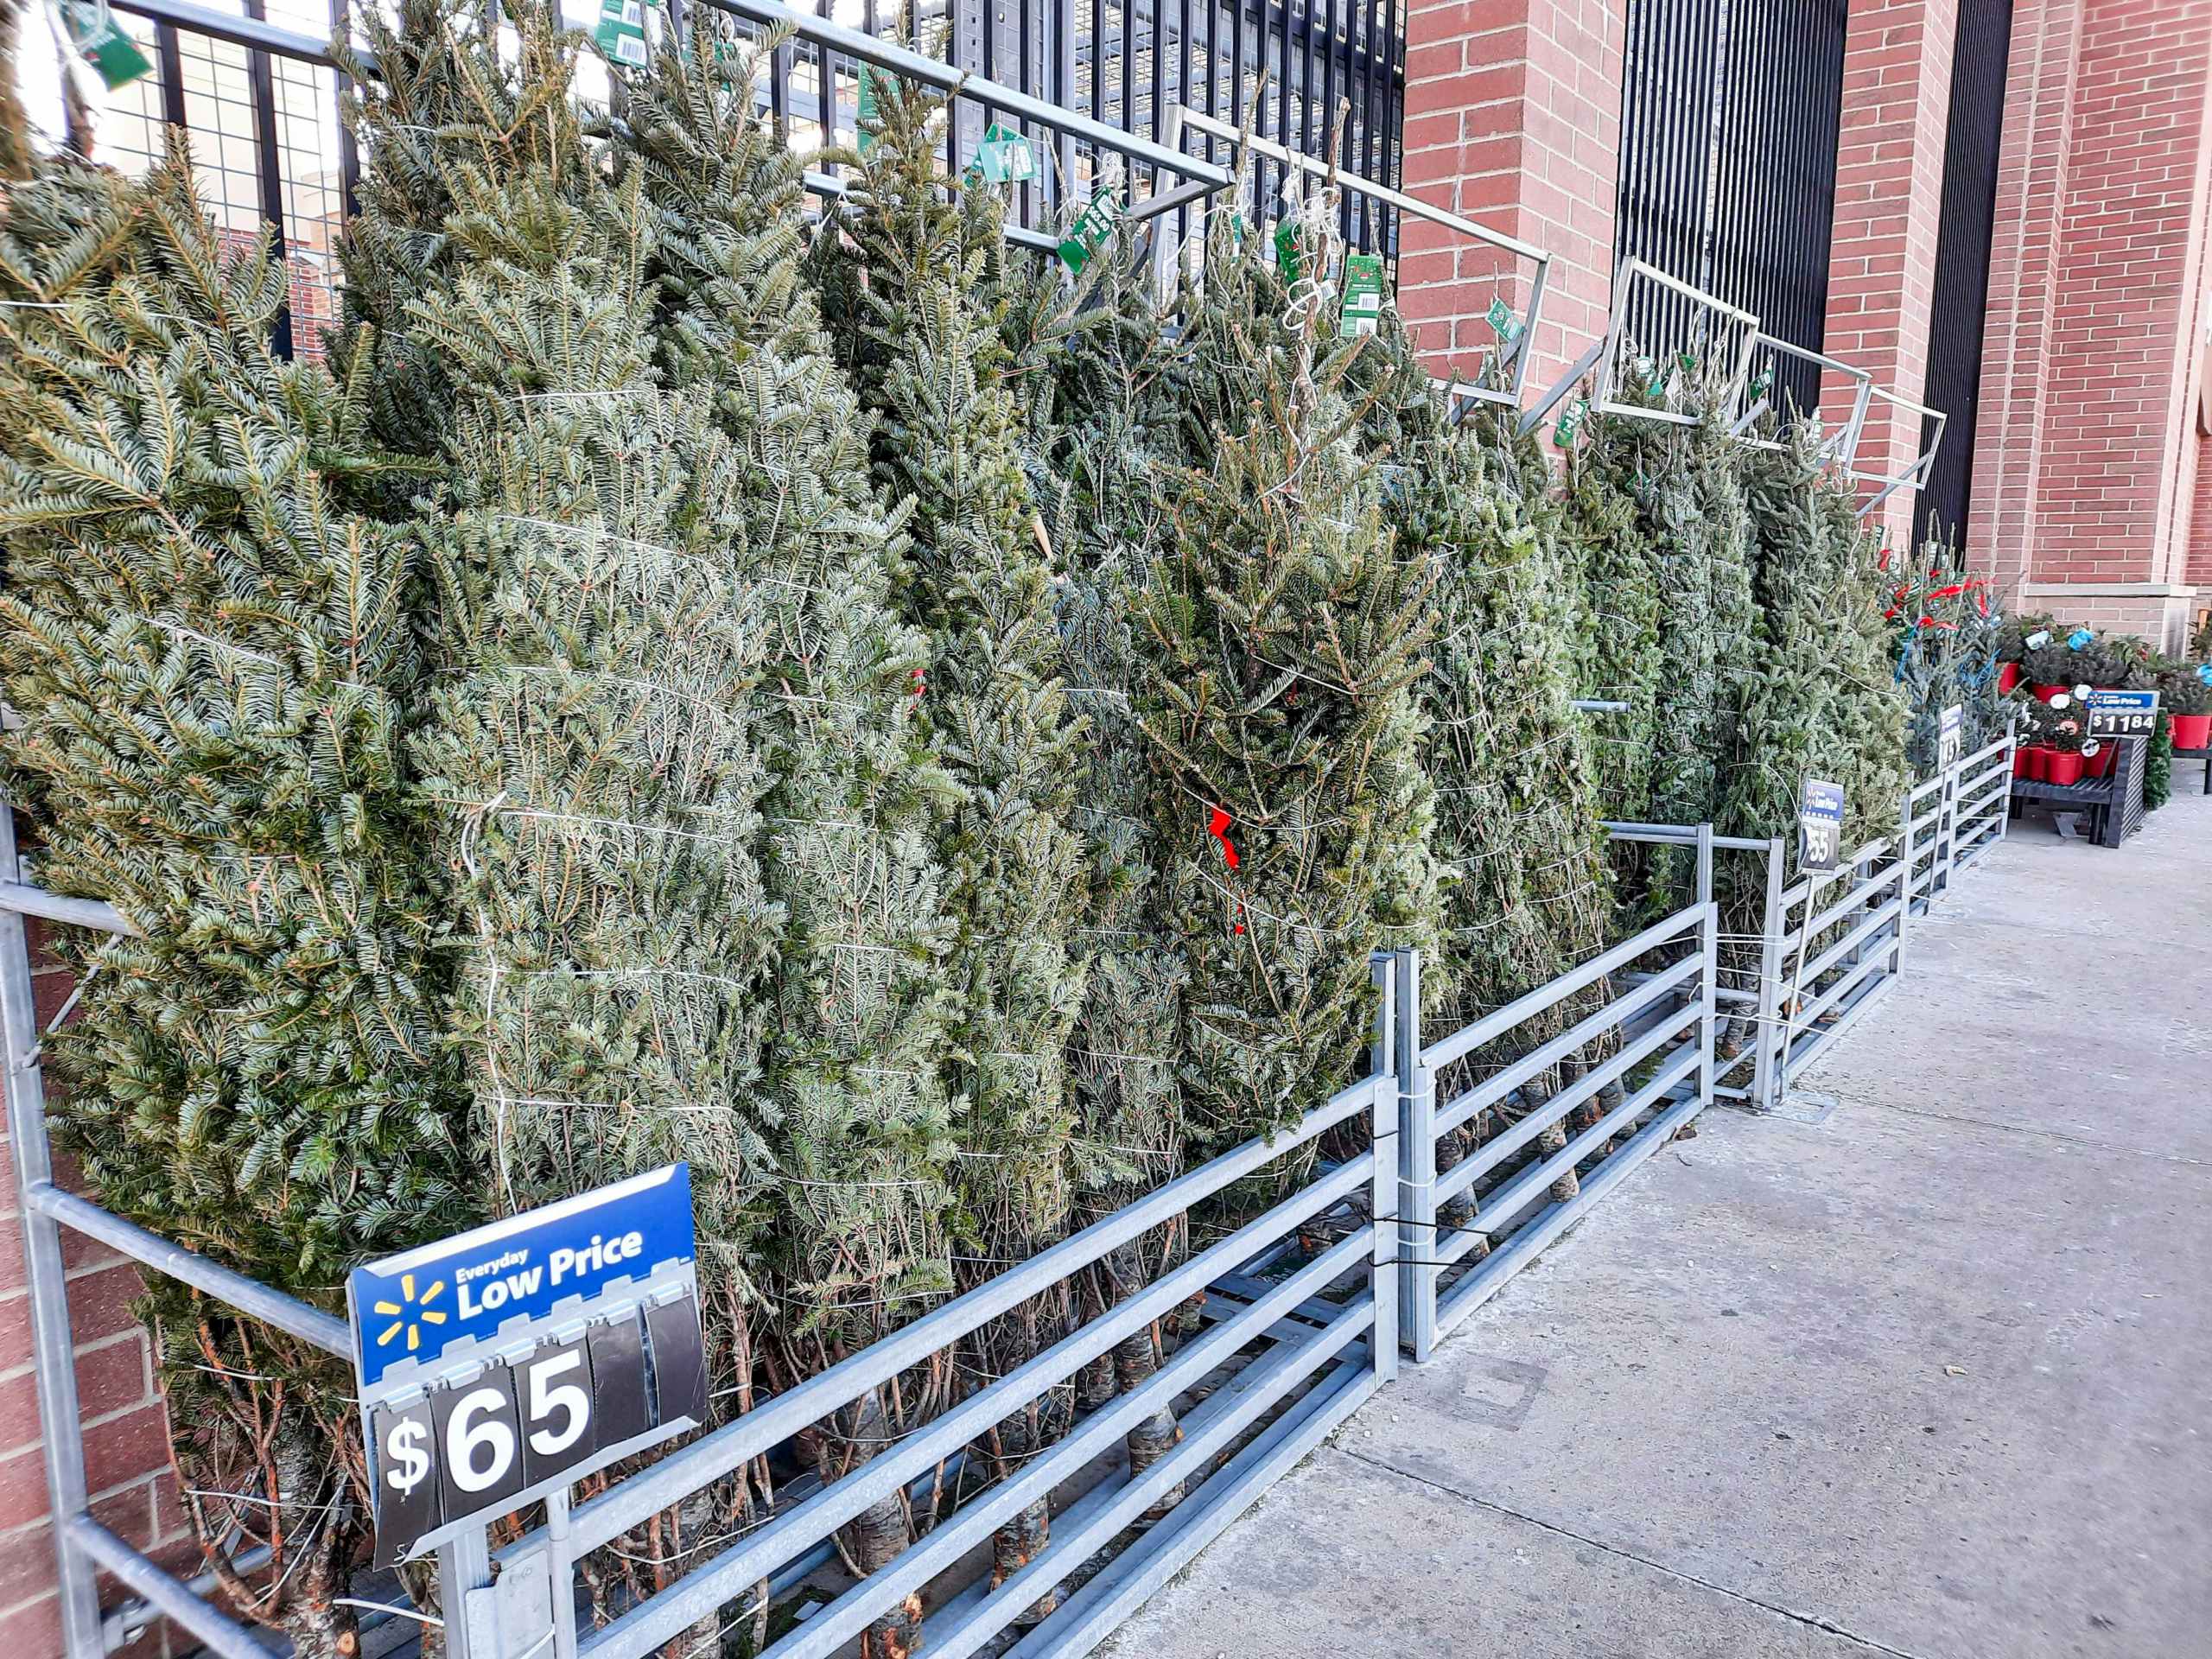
(901, 271)
(851, 1074)
(207, 649)
(1282, 651)
(1101, 461)
(586, 754)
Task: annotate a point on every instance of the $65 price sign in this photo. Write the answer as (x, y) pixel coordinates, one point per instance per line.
(500, 1365)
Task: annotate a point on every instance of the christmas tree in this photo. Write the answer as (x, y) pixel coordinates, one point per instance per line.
(901, 270)
(1280, 653)
(1098, 453)
(208, 651)
(851, 1073)
(586, 752)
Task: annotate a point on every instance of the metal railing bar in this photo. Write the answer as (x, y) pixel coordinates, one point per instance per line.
(1293, 1326)
(1860, 893)
(1271, 1377)
(831, 1506)
(249, 1296)
(1092, 1613)
(1988, 751)
(1883, 914)
(1442, 1053)
(776, 1420)
(1352, 181)
(236, 29)
(1247, 1291)
(164, 1592)
(1506, 1204)
(951, 1614)
(27, 900)
(656, 1620)
(1671, 834)
(1835, 992)
(914, 66)
(1485, 1280)
(1496, 1087)
(1495, 1150)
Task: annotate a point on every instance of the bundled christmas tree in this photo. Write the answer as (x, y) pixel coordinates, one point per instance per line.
(1948, 635)
(587, 752)
(852, 1069)
(1101, 458)
(1281, 654)
(901, 272)
(207, 649)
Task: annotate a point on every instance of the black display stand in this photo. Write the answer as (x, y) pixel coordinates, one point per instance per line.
(2113, 804)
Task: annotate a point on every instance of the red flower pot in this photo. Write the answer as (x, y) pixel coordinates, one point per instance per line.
(2037, 758)
(2100, 763)
(2045, 693)
(2008, 676)
(2023, 762)
(2062, 767)
(2192, 731)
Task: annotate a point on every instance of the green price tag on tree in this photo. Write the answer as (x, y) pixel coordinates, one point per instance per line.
(621, 32)
(1091, 228)
(1500, 316)
(1363, 306)
(867, 108)
(1005, 157)
(1564, 429)
(1289, 251)
(94, 32)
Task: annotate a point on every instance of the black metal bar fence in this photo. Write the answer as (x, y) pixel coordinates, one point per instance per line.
(252, 84)
(1731, 114)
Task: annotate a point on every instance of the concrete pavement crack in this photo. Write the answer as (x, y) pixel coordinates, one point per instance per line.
(1827, 1627)
(2025, 1128)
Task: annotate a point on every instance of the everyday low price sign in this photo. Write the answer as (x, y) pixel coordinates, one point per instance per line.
(1947, 737)
(1819, 826)
(2121, 713)
(503, 1363)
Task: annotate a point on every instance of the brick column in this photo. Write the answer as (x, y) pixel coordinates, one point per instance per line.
(1513, 114)
(1889, 189)
(2087, 479)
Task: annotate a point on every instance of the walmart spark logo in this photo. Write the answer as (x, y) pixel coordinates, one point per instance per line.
(415, 1313)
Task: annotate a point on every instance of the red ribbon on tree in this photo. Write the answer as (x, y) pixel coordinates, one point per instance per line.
(1218, 827)
(1882, 563)
(1946, 593)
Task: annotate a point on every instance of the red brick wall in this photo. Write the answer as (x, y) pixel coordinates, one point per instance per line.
(1513, 113)
(126, 1434)
(1889, 185)
(2087, 485)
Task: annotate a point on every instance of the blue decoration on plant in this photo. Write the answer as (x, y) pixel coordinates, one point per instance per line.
(2080, 640)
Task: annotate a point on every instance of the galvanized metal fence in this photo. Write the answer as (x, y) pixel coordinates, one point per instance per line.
(1286, 1358)
(1828, 946)
(1546, 1143)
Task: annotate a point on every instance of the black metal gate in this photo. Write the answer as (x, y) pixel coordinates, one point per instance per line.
(250, 81)
(1730, 111)
(1963, 244)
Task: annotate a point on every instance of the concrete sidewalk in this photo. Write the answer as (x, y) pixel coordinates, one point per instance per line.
(1932, 1377)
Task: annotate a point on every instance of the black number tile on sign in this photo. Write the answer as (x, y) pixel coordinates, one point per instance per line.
(479, 1446)
(405, 1457)
(559, 1424)
(679, 1361)
(618, 1376)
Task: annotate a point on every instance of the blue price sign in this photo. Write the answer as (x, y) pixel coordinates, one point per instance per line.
(1819, 826)
(506, 1362)
(2121, 713)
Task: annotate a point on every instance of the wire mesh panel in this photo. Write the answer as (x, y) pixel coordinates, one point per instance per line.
(250, 82)
(1729, 115)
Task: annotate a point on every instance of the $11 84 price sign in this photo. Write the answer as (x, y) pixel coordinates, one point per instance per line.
(500, 1364)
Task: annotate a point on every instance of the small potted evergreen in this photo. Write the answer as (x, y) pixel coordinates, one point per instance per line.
(2188, 703)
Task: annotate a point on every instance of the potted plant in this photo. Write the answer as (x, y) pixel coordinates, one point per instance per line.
(2188, 703)
(2063, 760)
